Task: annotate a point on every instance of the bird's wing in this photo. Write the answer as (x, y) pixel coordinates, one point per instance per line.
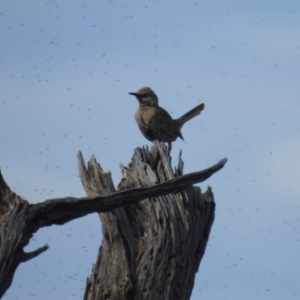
(163, 126)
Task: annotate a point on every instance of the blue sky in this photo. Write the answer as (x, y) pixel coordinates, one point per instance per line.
(66, 68)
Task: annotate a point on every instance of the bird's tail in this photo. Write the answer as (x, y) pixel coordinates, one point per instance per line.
(190, 114)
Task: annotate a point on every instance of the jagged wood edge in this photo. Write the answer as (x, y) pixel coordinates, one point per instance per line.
(119, 263)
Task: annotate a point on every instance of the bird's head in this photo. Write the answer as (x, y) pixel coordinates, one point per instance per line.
(146, 96)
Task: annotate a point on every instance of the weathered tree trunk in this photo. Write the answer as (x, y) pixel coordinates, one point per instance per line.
(151, 249)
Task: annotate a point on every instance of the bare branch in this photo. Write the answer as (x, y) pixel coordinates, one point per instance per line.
(62, 210)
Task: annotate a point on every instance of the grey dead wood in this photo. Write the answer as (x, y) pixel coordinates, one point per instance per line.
(151, 249)
(129, 266)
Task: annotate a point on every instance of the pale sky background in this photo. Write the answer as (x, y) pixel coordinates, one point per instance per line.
(66, 68)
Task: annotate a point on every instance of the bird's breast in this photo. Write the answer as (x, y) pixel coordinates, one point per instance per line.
(145, 114)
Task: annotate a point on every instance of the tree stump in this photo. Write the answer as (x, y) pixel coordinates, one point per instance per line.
(151, 249)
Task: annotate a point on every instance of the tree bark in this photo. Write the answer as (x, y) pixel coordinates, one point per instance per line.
(151, 249)
(126, 226)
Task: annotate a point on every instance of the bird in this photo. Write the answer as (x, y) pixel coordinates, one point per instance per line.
(155, 123)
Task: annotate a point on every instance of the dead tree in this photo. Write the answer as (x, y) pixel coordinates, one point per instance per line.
(151, 249)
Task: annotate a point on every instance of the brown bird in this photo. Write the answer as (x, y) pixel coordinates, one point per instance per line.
(155, 123)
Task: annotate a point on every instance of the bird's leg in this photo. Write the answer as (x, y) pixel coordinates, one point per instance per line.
(169, 147)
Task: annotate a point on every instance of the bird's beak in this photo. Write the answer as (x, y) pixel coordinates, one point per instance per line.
(133, 94)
